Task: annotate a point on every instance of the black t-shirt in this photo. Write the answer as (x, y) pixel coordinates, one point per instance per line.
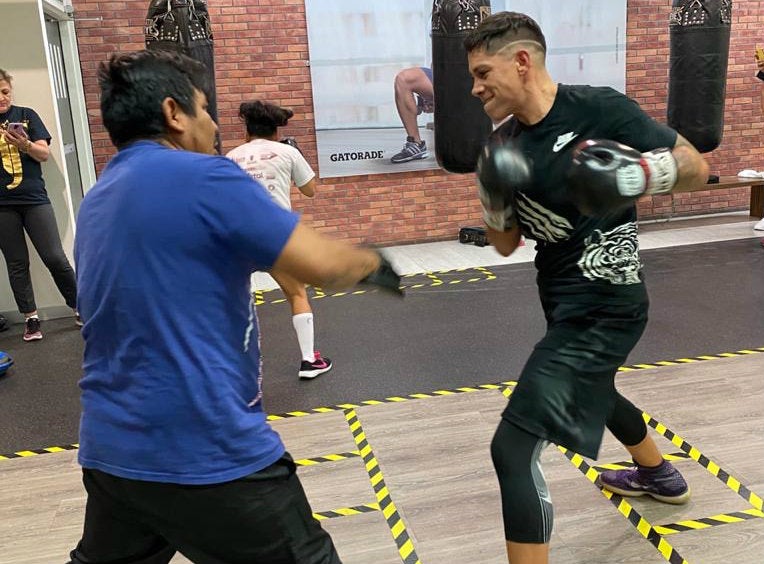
(21, 180)
(579, 255)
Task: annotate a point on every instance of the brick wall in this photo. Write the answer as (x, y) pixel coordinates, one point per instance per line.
(261, 48)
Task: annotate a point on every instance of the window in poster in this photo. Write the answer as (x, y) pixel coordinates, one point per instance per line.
(358, 47)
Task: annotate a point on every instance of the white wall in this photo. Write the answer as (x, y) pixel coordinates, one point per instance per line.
(22, 44)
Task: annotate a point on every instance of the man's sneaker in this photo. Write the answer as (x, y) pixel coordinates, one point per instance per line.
(32, 330)
(313, 369)
(411, 151)
(664, 483)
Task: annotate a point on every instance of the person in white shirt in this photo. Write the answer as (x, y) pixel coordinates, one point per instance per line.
(276, 165)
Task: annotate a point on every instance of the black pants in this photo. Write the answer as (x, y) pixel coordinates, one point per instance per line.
(40, 223)
(263, 518)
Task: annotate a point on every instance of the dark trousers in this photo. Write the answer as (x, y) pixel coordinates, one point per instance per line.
(263, 518)
(39, 221)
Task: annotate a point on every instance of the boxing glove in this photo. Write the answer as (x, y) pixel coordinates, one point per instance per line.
(384, 278)
(606, 176)
(502, 169)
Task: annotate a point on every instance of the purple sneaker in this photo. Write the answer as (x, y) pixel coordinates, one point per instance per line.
(663, 482)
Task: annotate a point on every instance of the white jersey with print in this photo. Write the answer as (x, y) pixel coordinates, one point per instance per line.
(275, 165)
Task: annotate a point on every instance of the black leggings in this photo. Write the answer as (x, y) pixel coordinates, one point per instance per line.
(39, 222)
(525, 501)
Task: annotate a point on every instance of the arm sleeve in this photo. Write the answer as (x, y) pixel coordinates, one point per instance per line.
(37, 129)
(241, 213)
(631, 126)
(301, 171)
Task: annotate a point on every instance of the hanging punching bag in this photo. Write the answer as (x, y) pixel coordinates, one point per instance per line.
(461, 125)
(184, 26)
(700, 41)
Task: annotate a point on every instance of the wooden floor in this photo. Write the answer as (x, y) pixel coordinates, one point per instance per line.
(432, 453)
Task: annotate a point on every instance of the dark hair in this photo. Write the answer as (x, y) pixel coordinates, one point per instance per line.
(134, 85)
(501, 29)
(263, 118)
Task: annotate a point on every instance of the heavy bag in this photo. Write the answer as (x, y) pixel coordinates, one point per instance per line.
(184, 26)
(461, 125)
(700, 42)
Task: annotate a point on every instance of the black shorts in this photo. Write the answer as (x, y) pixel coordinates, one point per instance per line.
(566, 390)
(264, 518)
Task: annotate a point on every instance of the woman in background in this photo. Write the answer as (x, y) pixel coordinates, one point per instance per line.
(276, 165)
(24, 206)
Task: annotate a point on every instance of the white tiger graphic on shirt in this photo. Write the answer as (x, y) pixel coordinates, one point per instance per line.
(612, 256)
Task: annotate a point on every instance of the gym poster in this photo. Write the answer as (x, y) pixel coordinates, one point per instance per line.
(357, 47)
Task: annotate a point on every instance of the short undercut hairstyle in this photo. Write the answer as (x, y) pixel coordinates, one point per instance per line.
(134, 85)
(503, 28)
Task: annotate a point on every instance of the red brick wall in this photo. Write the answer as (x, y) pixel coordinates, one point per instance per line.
(261, 49)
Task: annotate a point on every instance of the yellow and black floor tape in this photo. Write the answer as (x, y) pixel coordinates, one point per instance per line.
(393, 399)
(343, 511)
(396, 399)
(642, 526)
(327, 458)
(690, 360)
(35, 452)
(706, 522)
(413, 282)
(654, 534)
(671, 457)
(397, 527)
(347, 511)
(725, 477)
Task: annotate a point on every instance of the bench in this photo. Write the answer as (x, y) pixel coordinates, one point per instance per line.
(756, 185)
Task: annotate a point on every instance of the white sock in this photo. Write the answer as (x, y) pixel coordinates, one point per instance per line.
(303, 326)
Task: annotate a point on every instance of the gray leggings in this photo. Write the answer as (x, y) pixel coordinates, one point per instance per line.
(525, 501)
(39, 221)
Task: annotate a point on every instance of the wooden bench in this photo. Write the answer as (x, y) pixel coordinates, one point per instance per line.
(756, 185)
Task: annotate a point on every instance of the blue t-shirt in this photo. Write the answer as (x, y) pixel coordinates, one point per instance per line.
(166, 241)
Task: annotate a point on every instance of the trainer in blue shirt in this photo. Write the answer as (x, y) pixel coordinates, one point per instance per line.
(174, 443)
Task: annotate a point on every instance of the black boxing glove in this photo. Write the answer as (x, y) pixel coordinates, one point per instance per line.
(502, 169)
(292, 142)
(385, 277)
(606, 176)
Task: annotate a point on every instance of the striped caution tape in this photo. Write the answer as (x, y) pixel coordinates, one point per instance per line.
(706, 522)
(394, 521)
(327, 458)
(625, 508)
(431, 280)
(393, 399)
(689, 360)
(724, 476)
(671, 457)
(35, 452)
(347, 511)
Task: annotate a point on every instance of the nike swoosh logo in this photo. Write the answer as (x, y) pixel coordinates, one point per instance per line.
(563, 140)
